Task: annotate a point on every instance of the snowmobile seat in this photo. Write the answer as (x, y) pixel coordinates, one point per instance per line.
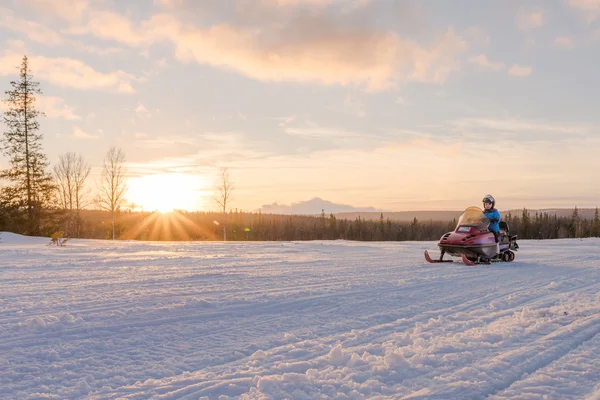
(504, 227)
(506, 237)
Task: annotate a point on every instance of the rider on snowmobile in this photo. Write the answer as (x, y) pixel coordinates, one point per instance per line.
(489, 204)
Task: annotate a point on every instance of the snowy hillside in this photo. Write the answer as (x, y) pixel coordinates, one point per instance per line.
(344, 320)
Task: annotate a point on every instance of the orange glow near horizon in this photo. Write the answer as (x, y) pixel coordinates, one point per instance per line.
(168, 226)
(168, 192)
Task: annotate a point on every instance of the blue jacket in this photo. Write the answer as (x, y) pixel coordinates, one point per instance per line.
(494, 217)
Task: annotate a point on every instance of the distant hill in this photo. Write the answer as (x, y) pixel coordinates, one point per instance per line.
(313, 207)
(450, 215)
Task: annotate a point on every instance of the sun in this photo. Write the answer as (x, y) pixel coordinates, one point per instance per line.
(168, 192)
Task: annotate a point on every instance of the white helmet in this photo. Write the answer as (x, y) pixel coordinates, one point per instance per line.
(488, 198)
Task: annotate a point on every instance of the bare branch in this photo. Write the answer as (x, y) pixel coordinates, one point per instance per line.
(113, 183)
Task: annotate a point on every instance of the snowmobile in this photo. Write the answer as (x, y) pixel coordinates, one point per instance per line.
(474, 243)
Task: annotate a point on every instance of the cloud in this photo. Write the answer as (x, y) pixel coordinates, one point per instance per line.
(54, 107)
(477, 36)
(355, 106)
(311, 129)
(168, 3)
(401, 101)
(67, 10)
(122, 29)
(33, 30)
(483, 61)
(589, 8)
(312, 49)
(313, 206)
(563, 41)
(423, 143)
(67, 72)
(352, 4)
(519, 70)
(88, 48)
(165, 141)
(287, 120)
(527, 130)
(297, 45)
(37, 32)
(530, 18)
(142, 112)
(80, 134)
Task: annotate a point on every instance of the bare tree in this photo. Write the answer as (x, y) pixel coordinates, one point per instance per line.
(70, 174)
(224, 189)
(113, 183)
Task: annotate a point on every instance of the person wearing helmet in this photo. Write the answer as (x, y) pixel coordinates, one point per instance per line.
(489, 209)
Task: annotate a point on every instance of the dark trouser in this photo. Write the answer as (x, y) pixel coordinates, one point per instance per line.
(496, 236)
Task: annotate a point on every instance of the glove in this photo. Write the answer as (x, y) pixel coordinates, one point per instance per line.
(494, 220)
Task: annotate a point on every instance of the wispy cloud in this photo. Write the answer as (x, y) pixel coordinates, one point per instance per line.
(525, 129)
(483, 61)
(33, 30)
(355, 106)
(67, 10)
(590, 9)
(530, 18)
(37, 32)
(311, 129)
(424, 144)
(142, 112)
(401, 101)
(287, 120)
(81, 134)
(564, 41)
(520, 70)
(67, 72)
(122, 29)
(167, 165)
(164, 141)
(55, 107)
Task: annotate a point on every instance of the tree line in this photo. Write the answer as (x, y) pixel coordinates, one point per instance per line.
(35, 200)
(256, 226)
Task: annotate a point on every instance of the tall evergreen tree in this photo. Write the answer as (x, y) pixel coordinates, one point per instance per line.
(30, 185)
(595, 226)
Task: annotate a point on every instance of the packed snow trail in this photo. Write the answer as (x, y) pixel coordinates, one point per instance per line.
(302, 320)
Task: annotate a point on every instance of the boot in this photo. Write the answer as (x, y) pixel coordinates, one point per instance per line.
(497, 248)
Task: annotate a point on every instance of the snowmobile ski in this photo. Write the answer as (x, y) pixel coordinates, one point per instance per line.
(431, 260)
(469, 262)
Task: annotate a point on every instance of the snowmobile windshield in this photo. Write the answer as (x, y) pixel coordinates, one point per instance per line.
(473, 216)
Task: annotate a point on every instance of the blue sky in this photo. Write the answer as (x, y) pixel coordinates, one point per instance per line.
(394, 105)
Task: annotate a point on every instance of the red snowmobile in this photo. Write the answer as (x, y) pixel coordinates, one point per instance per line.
(474, 243)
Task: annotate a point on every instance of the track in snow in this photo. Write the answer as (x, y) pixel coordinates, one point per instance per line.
(298, 319)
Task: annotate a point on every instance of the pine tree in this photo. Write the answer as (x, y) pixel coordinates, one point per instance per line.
(595, 228)
(575, 223)
(31, 186)
(525, 223)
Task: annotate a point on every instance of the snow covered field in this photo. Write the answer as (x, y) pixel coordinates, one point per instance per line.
(301, 320)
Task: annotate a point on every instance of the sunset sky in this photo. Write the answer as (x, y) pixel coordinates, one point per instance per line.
(389, 104)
